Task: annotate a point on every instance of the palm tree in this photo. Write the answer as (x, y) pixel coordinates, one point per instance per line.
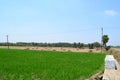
(105, 39)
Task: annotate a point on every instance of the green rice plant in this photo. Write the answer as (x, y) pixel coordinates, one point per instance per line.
(48, 65)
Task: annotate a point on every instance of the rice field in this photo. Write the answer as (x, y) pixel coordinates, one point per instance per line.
(48, 65)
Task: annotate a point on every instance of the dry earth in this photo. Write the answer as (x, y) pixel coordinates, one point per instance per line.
(115, 53)
(64, 49)
(112, 74)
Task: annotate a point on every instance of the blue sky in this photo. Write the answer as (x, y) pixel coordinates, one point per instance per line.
(59, 20)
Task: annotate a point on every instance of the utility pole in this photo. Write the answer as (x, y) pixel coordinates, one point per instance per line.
(7, 41)
(101, 39)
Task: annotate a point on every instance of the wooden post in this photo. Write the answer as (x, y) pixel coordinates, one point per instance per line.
(7, 41)
(101, 39)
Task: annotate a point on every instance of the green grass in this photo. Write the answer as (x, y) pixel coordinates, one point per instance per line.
(48, 65)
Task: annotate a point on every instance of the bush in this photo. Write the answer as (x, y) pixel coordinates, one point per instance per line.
(107, 48)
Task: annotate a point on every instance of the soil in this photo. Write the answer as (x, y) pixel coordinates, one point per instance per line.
(64, 49)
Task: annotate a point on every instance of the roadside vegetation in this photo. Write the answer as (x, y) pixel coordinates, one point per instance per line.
(115, 53)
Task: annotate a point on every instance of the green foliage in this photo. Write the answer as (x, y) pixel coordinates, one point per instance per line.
(48, 65)
(91, 46)
(80, 45)
(108, 47)
(60, 44)
(75, 45)
(96, 44)
(105, 39)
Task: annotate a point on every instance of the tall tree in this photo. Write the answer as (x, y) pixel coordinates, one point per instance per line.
(91, 46)
(80, 45)
(75, 45)
(96, 44)
(105, 39)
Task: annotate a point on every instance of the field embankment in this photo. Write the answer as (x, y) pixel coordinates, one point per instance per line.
(116, 53)
(48, 65)
(63, 49)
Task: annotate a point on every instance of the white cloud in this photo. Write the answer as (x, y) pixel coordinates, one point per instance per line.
(110, 12)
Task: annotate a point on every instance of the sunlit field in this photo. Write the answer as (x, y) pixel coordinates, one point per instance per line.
(48, 65)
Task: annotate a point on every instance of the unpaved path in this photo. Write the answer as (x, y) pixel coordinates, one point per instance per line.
(112, 74)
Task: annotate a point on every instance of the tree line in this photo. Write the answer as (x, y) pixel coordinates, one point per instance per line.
(59, 44)
(93, 45)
